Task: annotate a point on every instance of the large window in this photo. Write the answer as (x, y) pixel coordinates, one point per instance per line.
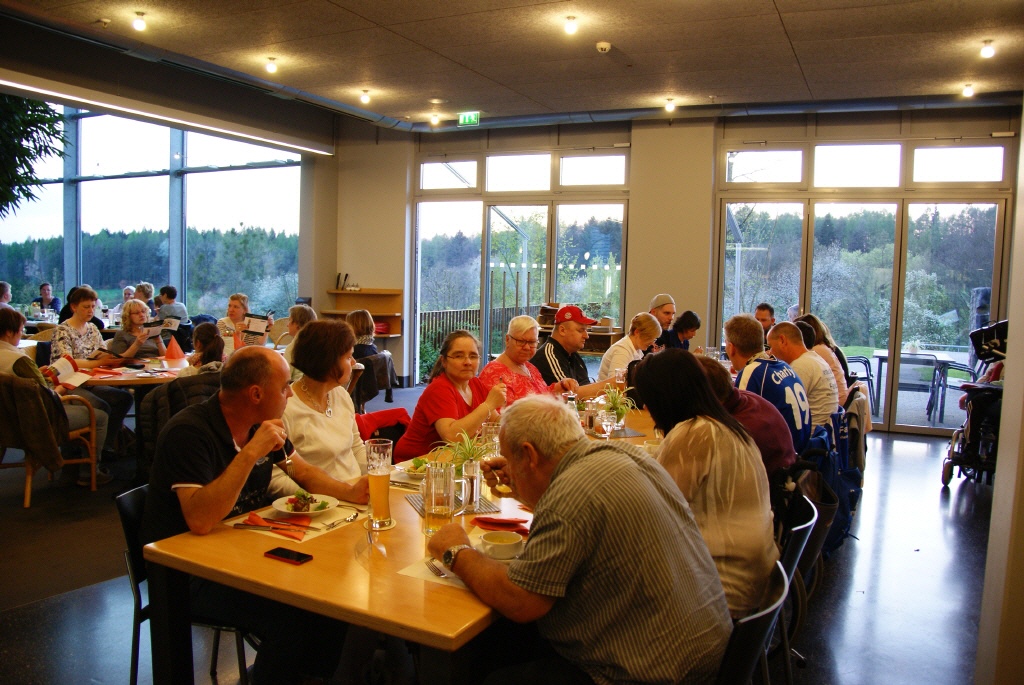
(126, 206)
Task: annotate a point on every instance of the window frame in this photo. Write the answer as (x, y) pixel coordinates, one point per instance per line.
(1009, 163)
(762, 146)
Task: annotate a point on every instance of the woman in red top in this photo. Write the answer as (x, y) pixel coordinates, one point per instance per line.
(455, 402)
(513, 367)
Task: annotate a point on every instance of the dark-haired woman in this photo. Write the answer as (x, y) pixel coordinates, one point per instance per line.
(320, 417)
(454, 402)
(718, 468)
(208, 356)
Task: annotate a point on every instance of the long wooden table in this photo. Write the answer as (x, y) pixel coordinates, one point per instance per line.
(351, 578)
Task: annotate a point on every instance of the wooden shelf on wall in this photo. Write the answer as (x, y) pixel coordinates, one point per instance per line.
(384, 305)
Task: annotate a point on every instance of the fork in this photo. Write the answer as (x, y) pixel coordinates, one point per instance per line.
(432, 566)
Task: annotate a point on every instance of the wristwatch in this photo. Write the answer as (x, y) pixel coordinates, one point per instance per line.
(448, 558)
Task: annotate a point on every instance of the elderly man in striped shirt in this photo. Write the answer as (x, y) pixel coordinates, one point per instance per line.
(615, 574)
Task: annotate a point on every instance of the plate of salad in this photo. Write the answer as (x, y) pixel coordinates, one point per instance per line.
(304, 503)
(415, 469)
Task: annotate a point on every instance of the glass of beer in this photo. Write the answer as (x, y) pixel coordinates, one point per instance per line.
(620, 380)
(438, 496)
(378, 468)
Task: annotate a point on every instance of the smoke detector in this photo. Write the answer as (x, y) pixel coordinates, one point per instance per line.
(604, 47)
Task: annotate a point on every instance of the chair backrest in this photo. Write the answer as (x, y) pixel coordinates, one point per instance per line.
(863, 361)
(32, 419)
(130, 506)
(44, 333)
(750, 634)
(796, 529)
(44, 349)
(278, 330)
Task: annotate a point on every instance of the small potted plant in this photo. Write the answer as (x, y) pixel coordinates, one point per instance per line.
(459, 451)
(616, 400)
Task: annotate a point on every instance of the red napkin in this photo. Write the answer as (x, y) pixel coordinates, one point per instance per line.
(297, 534)
(494, 523)
(174, 350)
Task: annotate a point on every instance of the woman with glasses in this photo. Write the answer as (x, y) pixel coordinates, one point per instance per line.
(455, 402)
(513, 367)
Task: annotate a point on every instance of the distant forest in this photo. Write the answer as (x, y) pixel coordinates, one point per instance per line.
(258, 262)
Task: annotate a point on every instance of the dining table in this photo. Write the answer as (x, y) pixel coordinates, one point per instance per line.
(153, 372)
(377, 580)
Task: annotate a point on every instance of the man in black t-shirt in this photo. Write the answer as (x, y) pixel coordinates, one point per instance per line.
(208, 467)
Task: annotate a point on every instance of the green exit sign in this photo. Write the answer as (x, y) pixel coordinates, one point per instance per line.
(469, 118)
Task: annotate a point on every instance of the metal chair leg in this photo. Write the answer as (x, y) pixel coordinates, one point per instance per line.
(214, 652)
(243, 676)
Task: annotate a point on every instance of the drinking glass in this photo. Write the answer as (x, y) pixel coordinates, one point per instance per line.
(489, 437)
(378, 468)
(438, 496)
(569, 398)
(607, 420)
(620, 380)
(472, 478)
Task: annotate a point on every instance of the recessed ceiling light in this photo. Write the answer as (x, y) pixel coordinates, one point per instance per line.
(434, 119)
(670, 105)
(987, 50)
(271, 66)
(365, 97)
(570, 25)
(968, 91)
(436, 101)
(139, 24)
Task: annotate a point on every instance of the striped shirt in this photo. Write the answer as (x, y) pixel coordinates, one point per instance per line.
(639, 599)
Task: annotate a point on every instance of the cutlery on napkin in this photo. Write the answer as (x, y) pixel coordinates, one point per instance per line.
(255, 519)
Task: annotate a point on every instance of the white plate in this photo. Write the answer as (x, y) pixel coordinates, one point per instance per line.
(281, 505)
(403, 467)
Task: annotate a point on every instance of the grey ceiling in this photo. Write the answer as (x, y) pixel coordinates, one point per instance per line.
(512, 58)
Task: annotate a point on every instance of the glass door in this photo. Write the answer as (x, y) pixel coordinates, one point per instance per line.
(588, 263)
(851, 283)
(515, 277)
(947, 289)
(763, 255)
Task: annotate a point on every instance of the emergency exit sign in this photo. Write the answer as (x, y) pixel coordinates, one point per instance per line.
(469, 118)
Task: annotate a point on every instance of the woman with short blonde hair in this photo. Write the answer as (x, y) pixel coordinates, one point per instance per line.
(644, 329)
(238, 307)
(132, 340)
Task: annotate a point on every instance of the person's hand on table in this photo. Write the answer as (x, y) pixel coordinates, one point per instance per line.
(360, 492)
(569, 385)
(448, 536)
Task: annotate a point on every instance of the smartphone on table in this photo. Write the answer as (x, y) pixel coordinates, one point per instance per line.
(289, 556)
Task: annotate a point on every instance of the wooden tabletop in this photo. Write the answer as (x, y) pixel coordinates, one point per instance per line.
(348, 579)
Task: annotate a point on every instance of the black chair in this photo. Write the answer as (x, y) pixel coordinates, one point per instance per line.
(796, 530)
(749, 640)
(130, 506)
(868, 377)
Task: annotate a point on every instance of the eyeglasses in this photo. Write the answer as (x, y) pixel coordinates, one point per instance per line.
(460, 357)
(525, 343)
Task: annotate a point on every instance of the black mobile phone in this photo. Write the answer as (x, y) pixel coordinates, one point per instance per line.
(289, 556)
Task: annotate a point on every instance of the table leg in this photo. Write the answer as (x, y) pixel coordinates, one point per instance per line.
(170, 625)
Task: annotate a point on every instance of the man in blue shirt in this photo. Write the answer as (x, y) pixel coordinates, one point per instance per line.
(770, 378)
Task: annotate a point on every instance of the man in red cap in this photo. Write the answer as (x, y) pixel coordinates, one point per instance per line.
(559, 357)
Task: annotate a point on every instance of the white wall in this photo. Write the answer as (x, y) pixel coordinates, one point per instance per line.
(671, 215)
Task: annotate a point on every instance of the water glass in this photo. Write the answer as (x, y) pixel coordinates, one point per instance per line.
(607, 420)
(489, 437)
(378, 469)
(569, 398)
(472, 478)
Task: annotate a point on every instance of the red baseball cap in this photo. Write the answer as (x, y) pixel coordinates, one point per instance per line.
(571, 312)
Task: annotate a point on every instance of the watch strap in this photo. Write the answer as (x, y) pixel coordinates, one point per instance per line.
(448, 559)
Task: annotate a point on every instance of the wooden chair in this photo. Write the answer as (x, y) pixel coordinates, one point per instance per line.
(357, 371)
(44, 333)
(748, 643)
(130, 506)
(279, 332)
(42, 449)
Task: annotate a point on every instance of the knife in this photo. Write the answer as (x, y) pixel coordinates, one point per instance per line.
(253, 526)
(291, 523)
(405, 486)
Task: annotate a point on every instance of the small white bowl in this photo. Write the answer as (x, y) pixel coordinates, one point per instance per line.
(502, 544)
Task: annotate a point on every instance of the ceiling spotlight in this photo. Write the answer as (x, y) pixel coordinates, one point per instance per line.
(271, 65)
(570, 25)
(670, 105)
(434, 119)
(987, 50)
(365, 97)
(968, 91)
(139, 24)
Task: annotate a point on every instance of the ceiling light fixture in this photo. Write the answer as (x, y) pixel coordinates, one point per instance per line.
(139, 24)
(968, 91)
(434, 119)
(365, 97)
(271, 66)
(987, 50)
(570, 25)
(670, 105)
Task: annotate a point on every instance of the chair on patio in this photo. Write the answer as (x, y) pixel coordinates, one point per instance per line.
(868, 377)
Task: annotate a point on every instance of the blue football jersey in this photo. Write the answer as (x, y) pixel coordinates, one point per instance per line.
(776, 382)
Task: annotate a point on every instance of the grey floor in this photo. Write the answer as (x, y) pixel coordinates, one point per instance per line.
(899, 604)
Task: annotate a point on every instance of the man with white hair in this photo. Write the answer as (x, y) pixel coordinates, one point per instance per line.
(596, 571)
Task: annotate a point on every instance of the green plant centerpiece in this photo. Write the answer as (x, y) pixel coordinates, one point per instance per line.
(616, 400)
(459, 451)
